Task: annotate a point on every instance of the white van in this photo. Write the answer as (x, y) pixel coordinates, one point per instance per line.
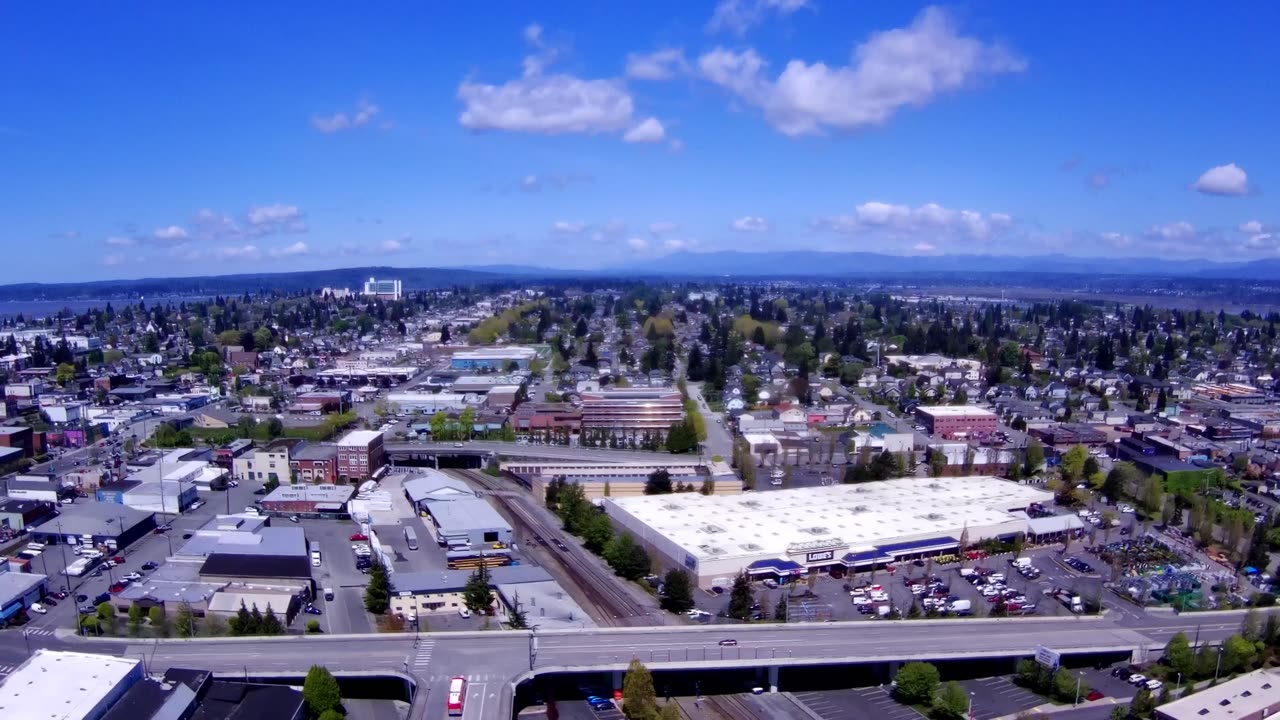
(35, 546)
(251, 509)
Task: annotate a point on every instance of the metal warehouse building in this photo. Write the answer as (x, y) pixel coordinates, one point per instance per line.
(852, 527)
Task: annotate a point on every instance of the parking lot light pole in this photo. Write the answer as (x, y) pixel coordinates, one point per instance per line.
(969, 714)
(1079, 675)
(1218, 668)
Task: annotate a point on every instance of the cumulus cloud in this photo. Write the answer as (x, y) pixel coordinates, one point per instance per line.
(1251, 226)
(1117, 239)
(363, 114)
(638, 244)
(169, 235)
(892, 70)
(924, 247)
(294, 250)
(674, 244)
(1228, 179)
(395, 246)
(1180, 230)
(739, 16)
(930, 217)
(658, 65)
(552, 103)
(751, 224)
(258, 221)
(568, 227)
(276, 218)
(121, 241)
(112, 260)
(660, 228)
(1262, 241)
(648, 131)
(241, 252)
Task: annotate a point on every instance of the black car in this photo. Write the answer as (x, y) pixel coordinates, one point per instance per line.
(312, 610)
(559, 544)
(82, 598)
(149, 566)
(102, 597)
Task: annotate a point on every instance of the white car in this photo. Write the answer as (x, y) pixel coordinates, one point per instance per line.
(133, 576)
(464, 613)
(39, 609)
(1137, 679)
(1154, 685)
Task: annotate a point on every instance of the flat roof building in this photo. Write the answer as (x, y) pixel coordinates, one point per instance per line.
(308, 498)
(468, 522)
(793, 531)
(495, 358)
(957, 421)
(58, 685)
(628, 409)
(1251, 696)
(100, 523)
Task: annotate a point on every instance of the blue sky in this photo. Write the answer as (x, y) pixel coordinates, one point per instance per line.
(209, 138)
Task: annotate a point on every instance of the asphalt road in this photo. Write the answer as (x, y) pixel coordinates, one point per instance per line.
(718, 441)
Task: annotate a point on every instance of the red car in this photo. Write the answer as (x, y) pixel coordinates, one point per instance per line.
(358, 536)
(118, 559)
(119, 587)
(1095, 695)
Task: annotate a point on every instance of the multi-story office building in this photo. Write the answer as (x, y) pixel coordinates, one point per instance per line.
(627, 409)
(360, 454)
(385, 289)
(952, 422)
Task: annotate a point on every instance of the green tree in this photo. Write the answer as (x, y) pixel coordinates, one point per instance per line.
(937, 464)
(159, 622)
(136, 615)
(262, 339)
(476, 594)
(677, 591)
(332, 714)
(184, 621)
(1123, 476)
(320, 690)
(313, 626)
(66, 373)
(1073, 462)
(1237, 653)
(275, 428)
(670, 711)
(741, 598)
(1065, 685)
(1143, 704)
(637, 688)
(780, 610)
(952, 702)
(597, 533)
(517, 618)
(1033, 458)
(377, 593)
(916, 683)
(271, 624)
(627, 559)
(242, 622)
(658, 483)
(228, 337)
(1179, 655)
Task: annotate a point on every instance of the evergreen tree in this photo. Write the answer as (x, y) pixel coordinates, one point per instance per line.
(271, 624)
(637, 688)
(740, 598)
(677, 591)
(242, 623)
(476, 594)
(320, 690)
(377, 593)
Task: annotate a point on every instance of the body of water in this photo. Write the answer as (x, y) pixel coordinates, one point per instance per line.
(43, 308)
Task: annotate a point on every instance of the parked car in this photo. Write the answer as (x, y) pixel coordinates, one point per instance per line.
(464, 613)
(59, 595)
(294, 519)
(133, 576)
(38, 609)
(312, 610)
(149, 566)
(358, 536)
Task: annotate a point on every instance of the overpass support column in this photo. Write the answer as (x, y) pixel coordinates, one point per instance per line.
(617, 679)
(773, 678)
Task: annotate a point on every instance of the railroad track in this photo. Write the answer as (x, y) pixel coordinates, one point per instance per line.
(615, 606)
(732, 707)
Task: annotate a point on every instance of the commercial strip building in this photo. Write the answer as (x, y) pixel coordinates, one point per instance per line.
(1252, 696)
(18, 590)
(632, 409)
(361, 455)
(850, 527)
(93, 523)
(435, 591)
(495, 358)
(953, 422)
(67, 685)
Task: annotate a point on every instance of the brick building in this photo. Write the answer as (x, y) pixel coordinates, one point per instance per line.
(315, 464)
(957, 421)
(360, 454)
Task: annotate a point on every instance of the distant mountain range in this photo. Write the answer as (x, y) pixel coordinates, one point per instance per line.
(799, 263)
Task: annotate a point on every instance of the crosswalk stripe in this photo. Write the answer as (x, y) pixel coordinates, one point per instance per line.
(422, 658)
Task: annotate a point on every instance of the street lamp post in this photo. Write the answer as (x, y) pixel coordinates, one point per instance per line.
(1217, 669)
(1078, 676)
(969, 714)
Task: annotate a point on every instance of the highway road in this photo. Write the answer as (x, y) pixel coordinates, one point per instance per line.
(496, 659)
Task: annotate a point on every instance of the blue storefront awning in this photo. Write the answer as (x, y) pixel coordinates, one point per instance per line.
(865, 558)
(773, 566)
(917, 547)
(10, 611)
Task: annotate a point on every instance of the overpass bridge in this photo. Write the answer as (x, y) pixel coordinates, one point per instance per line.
(482, 448)
(498, 662)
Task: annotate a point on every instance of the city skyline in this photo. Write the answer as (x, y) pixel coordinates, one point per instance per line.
(212, 140)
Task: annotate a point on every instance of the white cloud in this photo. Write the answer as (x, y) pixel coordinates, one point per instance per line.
(272, 214)
(553, 104)
(298, 248)
(1116, 239)
(658, 65)
(924, 247)
(328, 124)
(648, 131)
(1228, 179)
(638, 244)
(396, 246)
(660, 228)
(1180, 230)
(674, 244)
(241, 252)
(1252, 227)
(610, 230)
(568, 227)
(930, 218)
(531, 183)
(215, 225)
(738, 16)
(169, 234)
(1262, 241)
(121, 241)
(905, 67)
(751, 224)
(112, 260)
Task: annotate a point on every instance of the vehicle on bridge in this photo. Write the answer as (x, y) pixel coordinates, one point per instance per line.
(457, 693)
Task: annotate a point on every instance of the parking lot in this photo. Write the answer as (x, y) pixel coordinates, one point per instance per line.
(874, 703)
(998, 696)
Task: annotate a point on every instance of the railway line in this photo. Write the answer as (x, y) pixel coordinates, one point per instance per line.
(614, 605)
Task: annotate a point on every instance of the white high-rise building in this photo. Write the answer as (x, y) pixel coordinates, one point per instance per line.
(386, 289)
